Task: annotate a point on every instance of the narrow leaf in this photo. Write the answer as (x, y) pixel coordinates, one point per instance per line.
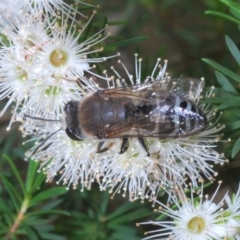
(121, 210)
(229, 104)
(29, 232)
(232, 4)
(15, 197)
(222, 69)
(52, 204)
(114, 23)
(35, 221)
(15, 171)
(131, 216)
(122, 231)
(128, 41)
(235, 13)
(87, 31)
(51, 236)
(234, 125)
(104, 204)
(236, 148)
(233, 49)
(39, 178)
(219, 14)
(31, 173)
(225, 83)
(53, 192)
(217, 99)
(42, 212)
(4, 207)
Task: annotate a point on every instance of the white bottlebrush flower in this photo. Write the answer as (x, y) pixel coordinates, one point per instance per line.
(74, 161)
(47, 101)
(12, 12)
(194, 218)
(51, 6)
(170, 161)
(16, 78)
(65, 54)
(230, 225)
(133, 173)
(102, 162)
(52, 55)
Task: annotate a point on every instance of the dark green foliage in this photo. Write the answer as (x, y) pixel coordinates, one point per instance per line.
(27, 209)
(177, 30)
(228, 97)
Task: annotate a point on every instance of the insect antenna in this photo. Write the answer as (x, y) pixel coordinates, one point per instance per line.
(47, 120)
(45, 141)
(43, 119)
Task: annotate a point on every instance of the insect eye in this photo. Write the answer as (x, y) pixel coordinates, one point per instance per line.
(193, 109)
(183, 104)
(70, 106)
(71, 135)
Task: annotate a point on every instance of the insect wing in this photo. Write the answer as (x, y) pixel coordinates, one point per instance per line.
(189, 88)
(148, 116)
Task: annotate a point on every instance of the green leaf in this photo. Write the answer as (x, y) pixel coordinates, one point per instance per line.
(217, 100)
(101, 24)
(225, 83)
(82, 219)
(235, 13)
(35, 221)
(31, 174)
(121, 210)
(52, 204)
(124, 232)
(15, 197)
(15, 171)
(114, 23)
(86, 31)
(41, 212)
(128, 217)
(236, 148)
(4, 207)
(128, 41)
(51, 236)
(53, 192)
(219, 14)
(39, 178)
(234, 125)
(3, 231)
(222, 69)
(9, 218)
(104, 203)
(229, 104)
(45, 227)
(29, 232)
(233, 5)
(8, 143)
(233, 49)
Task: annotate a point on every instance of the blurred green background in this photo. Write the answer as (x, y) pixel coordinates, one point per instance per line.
(177, 30)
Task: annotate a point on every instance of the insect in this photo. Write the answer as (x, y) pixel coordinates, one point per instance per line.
(156, 109)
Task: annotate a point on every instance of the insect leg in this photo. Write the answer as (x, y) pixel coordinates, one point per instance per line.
(99, 150)
(141, 140)
(124, 146)
(123, 83)
(148, 80)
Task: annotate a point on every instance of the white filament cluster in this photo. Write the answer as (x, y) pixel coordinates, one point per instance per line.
(43, 64)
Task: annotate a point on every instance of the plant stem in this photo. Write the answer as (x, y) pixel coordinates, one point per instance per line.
(18, 219)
